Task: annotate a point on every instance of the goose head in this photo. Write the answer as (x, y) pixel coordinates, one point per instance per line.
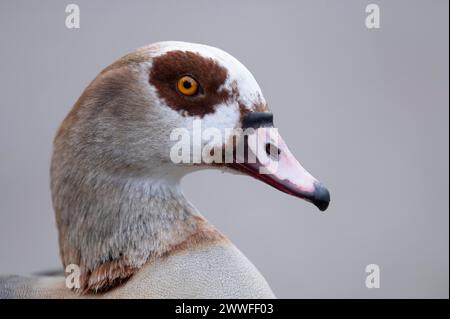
(171, 108)
(144, 122)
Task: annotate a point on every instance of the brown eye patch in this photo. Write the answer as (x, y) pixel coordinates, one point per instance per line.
(167, 70)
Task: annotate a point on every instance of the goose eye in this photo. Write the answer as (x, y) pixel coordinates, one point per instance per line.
(187, 86)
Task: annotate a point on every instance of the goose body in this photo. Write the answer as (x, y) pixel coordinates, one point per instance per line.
(121, 215)
(212, 271)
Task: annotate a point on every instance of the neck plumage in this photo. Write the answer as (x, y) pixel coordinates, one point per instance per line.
(110, 227)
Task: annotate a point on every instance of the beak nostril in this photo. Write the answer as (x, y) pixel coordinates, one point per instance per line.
(272, 151)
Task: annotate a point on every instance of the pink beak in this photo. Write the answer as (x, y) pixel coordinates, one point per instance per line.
(266, 157)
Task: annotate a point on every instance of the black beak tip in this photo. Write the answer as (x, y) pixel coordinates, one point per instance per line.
(321, 197)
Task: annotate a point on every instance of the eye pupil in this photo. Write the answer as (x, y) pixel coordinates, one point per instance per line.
(187, 84)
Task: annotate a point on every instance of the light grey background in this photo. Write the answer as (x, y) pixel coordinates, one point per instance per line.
(365, 111)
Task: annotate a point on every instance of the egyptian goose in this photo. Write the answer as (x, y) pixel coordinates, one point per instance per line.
(121, 216)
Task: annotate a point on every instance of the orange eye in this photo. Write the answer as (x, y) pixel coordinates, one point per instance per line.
(187, 85)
